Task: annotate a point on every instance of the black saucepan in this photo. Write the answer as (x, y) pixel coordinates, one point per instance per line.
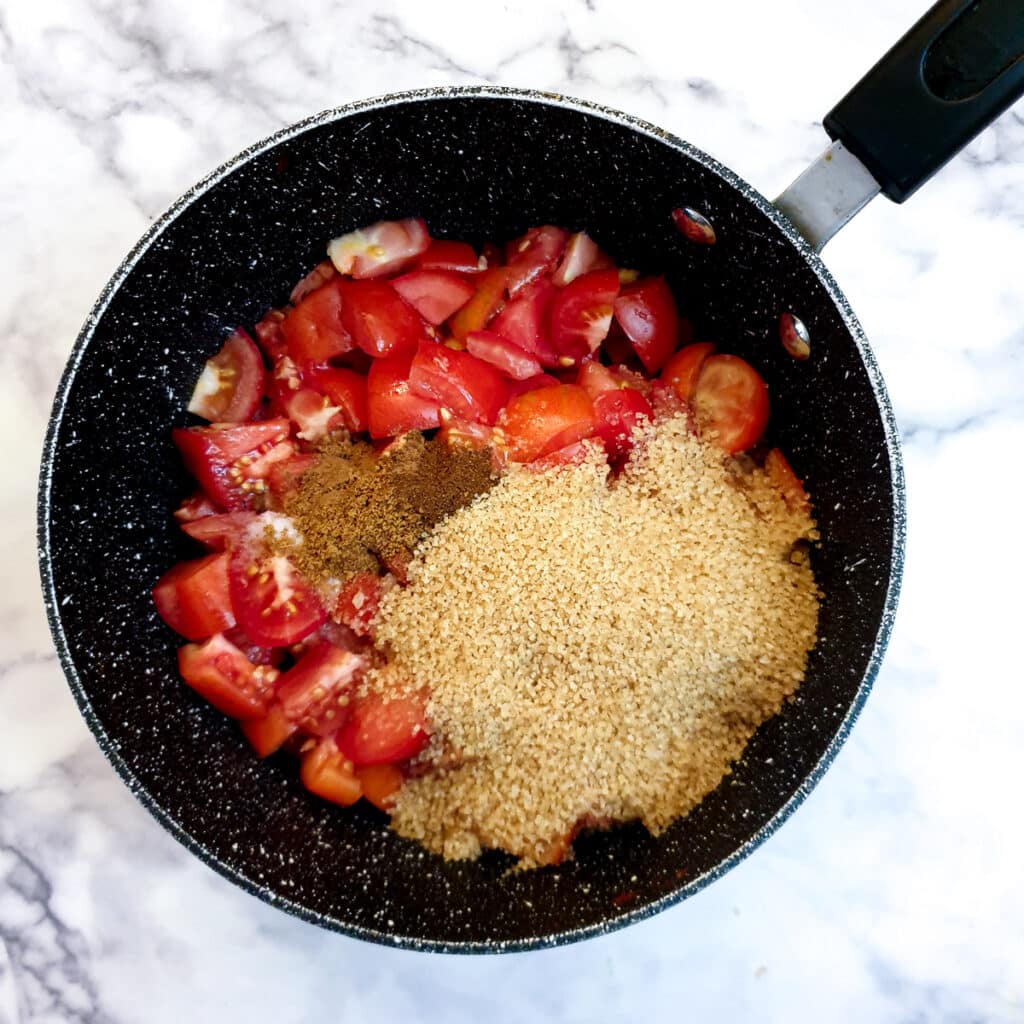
(486, 164)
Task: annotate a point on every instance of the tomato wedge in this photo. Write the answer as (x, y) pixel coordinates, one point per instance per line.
(269, 656)
(458, 257)
(524, 322)
(380, 321)
(267, 733)
(326, 772)
(232, 462)
(222, 531)
(486, 301)
(274, 603)
(647, 313)
(392, 408)
(547, 419)
(315, 329)
(381, 249)
(358, 601)
(580, 257)
(269, 335)
(468, 387)
(316, 693)
(509, 359)
(730, 402)
(582, 313)
(320, 274)
(380, 783)
(434, 294)
(682, 369)
(220, 673)
(195, 507)
(534, 255)
(384, 730)
(616, 415)
(284, 477)
(231, 385)
(786, 482)
(193, 597)
(346, 390)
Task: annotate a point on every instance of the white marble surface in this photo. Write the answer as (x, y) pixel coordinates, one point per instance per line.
(894, 894)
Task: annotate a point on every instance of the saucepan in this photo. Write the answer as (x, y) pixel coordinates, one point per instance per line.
(481, 164)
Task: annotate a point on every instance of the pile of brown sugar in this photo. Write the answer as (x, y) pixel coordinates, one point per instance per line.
(356, 510)
(595, 651)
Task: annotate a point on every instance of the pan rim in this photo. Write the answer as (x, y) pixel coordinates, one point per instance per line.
(110, 748)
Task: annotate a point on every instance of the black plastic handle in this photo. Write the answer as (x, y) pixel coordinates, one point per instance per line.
(946, 80)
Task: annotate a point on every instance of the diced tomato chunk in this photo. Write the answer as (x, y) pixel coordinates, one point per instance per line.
(358, 602)
(380, 249)
(434, 294)
(231, 385)
(470, 388)
(317, 691)
(222, 531)
(730, 402)
(524, 322)
(533, 255)
(267, 733)
(219, 672)
(581, 314)
(346, 390)
(682, 369)
(541, 380)
(506, 357)
(379, 320)
(284, 477)
(319, 275)
(392, 407)
(571, 455)
(195, 507)
(547, 419)
(486, 301)
(326, 772)
(193, 597)
(786, 482)
(616, 415)
(647, 313)
(384, 729)
(270, 336)
(458, 257)
(381, 783)
(315, 330)
(596, 378)
(580, 257)
(268, 656)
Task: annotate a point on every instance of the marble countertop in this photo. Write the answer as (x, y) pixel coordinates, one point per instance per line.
(894, 894)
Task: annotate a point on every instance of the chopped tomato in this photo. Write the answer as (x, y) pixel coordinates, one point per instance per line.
(682, 369)
(397, 564)
(540, 380)
(267, 733)
(269, 656)
(486, 301)
(458, 257)
(571, 455)
(384, 729)
(509, 359)
(274, 603)
(317, 691)
(358, 602)
(524, 322)
(284, 476)
(231, 385)
(315, 330)
(434, 294)
(580, 257)
(195, 507)
(582, 313)
(786, 482)
(346, 390)
(647, 313)
(392, 408)
(326, 772)
(470, 388)
(595, 378)
(270, 336)
(616, 415)
(381, 249)
(193, 597)
(320, 274)
(232, 462)
(547, 419)
(534, 254)
(219, 672)
(666, 402)
(380, 321)
(312, 413)
(381, 783)
(222, 531)
(730, 402)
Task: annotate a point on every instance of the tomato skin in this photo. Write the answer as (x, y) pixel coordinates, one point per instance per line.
(468, 387)
(268, 732)
(316, 692)
(383, 731)
(533, 255)
(358, 602)
(222, 531)
(524, 322)
(485, 303)
(616, 414)
(458, 257)
(325, 772)
(221, 674)
(231, 384)
(193, 597)
(380, 249)
(434, 294)
(580, 257)
(731, 400)
(380, 783)
(392, 407)
(540, 380)
(647, 313)
(509, 359)
(379, 320)
(786, 482)
(581, 314)
(682, 369)
(315, 329)
(542, 421)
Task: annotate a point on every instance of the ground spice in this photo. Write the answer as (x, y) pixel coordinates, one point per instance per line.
(356, 510)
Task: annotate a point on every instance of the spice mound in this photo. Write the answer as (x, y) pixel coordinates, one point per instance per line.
(597, 653)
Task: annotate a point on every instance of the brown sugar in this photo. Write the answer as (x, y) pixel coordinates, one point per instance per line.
(597, 652)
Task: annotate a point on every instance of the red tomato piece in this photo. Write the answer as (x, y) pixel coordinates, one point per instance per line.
(571, 455)
(470, 388)
(231, 385)
(270, 336)
(580, 257)
(547, 419)
(358, 602)
(647, 313)
(319, 275)
(730, 401)
(312, 413)
(231, 462)
(380, 249)
(385, 730)
(220, 532)
(596, 379)
(380, 321)
(541, 380)
(533, 255)
(786, 482)
(268, 656)
(267, 733)
(682, 369)
(193, 597)
(524, 322)
(275, 605)
(327, 773)
(397, 564)
(284, 476)
(487, 300)
(220, 673)
(434, 294)
(458, 257)
(381, 783)
(616, 414)
(581, 314)
(392, 408)
(511, 360)
(195, 507)
(346, 390)
(315, 330)
(316, 692)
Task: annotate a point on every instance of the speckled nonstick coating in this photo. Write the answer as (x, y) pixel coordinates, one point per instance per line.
(477, 164)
